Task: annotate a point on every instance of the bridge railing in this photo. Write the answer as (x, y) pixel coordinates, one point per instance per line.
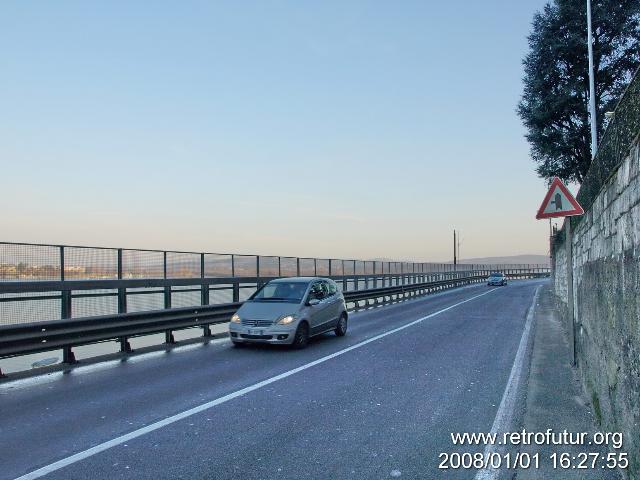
(40, 282)
(47, 286)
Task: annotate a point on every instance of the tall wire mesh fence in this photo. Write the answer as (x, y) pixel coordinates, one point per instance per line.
(211, 278)
(623, 128)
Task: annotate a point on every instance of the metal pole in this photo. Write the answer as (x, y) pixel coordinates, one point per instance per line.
(592, 88)
(572, 321)
(455, 258)
(550, 245)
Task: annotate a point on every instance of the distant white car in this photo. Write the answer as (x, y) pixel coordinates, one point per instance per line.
(497, 278)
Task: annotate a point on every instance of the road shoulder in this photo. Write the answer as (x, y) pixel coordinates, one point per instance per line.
(555, 400)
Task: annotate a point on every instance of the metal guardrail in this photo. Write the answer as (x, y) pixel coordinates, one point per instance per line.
(21, 339)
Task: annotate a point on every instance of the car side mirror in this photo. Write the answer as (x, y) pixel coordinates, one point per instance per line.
(313, 301)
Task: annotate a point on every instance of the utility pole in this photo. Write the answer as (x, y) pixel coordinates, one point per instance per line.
(592, 88)
(455, 257)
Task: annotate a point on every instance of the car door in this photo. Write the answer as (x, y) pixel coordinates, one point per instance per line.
(335, 303)
(320, 313)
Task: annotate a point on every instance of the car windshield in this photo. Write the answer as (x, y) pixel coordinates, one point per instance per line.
(496, 274)
(291, 292)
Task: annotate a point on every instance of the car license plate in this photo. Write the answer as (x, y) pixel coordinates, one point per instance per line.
(255, 332)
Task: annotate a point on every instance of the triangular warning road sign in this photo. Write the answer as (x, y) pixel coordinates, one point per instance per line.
(558, 202)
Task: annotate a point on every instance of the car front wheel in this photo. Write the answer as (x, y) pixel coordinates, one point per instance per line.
(301, 338)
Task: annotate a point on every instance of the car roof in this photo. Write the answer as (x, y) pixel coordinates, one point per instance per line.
(298, 279)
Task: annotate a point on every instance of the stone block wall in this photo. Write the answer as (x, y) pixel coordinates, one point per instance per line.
(606, 282)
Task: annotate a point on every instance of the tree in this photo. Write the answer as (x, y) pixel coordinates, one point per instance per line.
(554, 104)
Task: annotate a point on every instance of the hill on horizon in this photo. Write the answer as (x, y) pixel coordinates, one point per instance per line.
(525, 258)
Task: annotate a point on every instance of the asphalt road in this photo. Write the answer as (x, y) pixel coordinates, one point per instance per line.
(384, 409)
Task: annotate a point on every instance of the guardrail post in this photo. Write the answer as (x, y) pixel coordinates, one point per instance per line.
(68, 356)
(125, 346)
(206, 331)
(297, 266)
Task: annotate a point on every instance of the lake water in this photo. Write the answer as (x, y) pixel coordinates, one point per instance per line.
(43, 310)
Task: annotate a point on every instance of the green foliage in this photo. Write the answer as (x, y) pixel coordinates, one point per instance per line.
(554, 104)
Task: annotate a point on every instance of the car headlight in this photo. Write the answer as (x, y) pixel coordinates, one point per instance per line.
(235, 318)
(286, 320)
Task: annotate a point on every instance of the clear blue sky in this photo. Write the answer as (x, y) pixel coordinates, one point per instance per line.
(345, 129)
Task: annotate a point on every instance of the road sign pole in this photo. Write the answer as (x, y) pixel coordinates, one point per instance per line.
(569, 252)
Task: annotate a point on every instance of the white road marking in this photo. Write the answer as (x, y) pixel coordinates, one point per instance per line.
(504, 415)
(101, 447)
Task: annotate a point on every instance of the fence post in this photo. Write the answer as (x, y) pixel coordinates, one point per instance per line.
(122, 292)
(375, 279)
(204, 295)
(344, 278)
(355, 277)
(204, 292)
(65, 309)
(236, 291)
(168, 335)
(125, 346)
(257, 271)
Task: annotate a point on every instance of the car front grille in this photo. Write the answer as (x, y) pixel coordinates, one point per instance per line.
(256, 323)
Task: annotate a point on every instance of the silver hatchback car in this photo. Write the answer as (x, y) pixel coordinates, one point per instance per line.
(290, 311)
